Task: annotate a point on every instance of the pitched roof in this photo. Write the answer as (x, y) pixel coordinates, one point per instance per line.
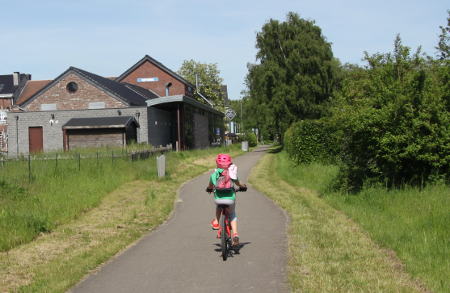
(133, 98)
(117, 89)
(100, 122)
(6, 84)
(149, 94)
(156, 63)
(7, 87)
(30, 88)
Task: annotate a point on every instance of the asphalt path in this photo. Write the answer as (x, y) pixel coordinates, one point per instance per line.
(183, 255)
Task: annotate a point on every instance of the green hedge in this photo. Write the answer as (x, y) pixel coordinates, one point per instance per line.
(309, 141)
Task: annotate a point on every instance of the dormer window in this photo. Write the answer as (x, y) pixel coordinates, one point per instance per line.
(168, 85)
(72, 87)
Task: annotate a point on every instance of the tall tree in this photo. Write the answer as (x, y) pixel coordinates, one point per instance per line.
(209, 81)
(443, 46)
(295, 75)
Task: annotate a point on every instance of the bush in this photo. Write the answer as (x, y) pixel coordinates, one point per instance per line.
(251, 138)
(394, 121)
(309, 141)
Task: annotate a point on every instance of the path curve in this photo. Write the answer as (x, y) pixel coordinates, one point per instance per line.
(182, 254)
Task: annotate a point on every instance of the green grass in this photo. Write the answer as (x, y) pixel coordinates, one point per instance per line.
(413, 223)
(55, 261)
(327, 252)
(316, 176)
(62, 189)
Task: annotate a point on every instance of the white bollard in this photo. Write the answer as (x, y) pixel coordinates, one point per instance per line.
(161, 165)
(245, 146)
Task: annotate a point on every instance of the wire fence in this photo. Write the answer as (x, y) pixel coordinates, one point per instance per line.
(26, 169)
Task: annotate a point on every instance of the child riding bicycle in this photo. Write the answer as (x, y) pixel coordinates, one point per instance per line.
(221, 182)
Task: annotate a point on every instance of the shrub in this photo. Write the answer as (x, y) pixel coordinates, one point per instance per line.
(251, 138)
(394, 120)
(308, 141)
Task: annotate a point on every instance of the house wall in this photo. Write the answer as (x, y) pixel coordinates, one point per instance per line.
(93, 138)
(53, 134)
(64, 100)
(149, 70)
(3, 141)
(6, 103)
(160, 124)
(201, 128)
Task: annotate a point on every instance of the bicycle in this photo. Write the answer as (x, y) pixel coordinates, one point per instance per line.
(224, 222)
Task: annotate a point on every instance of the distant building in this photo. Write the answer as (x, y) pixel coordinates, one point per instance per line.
(10, 88)
(148, 103)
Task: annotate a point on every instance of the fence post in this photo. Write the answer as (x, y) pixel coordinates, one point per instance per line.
(29, 168)
(79, 161)
(161, 165)
(97, 159)
(56, 162)
(112, 157)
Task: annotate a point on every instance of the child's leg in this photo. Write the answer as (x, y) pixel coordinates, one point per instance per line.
(233, 218)
(218, 212)
(234, 226)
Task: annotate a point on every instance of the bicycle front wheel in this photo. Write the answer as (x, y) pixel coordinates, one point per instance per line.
(223, 238)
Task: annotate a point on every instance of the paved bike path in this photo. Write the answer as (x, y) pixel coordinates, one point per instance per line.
(183, 254)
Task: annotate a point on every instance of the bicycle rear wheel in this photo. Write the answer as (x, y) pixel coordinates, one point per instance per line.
(223, 238)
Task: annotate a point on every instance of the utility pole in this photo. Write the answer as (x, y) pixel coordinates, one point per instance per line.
(242, 121)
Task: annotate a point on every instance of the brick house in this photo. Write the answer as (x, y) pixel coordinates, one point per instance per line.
(148, 103)
(10, 87)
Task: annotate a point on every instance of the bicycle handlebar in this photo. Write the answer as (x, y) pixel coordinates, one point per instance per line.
(240, 189)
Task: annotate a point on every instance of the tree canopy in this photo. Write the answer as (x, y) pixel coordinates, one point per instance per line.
(389, 122)
(295, 75)
(209, 81)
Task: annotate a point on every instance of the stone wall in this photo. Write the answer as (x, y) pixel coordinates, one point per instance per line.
(18, 124)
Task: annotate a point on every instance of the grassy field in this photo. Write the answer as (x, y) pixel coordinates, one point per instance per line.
(411, 225)
(59, 190)
(328, 252)
(57, 259)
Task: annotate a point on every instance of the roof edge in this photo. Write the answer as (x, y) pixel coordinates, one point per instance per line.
(156, 63)
(182, 99)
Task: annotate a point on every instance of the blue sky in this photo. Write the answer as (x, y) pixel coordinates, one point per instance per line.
(45, 37)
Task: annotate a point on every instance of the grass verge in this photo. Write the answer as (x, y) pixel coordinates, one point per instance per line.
(55, 261)
(328, 252)
(413, 223)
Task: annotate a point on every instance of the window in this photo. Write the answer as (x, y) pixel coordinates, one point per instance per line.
(72, 87)
(97, 105)
(168, 85)
(48, 107)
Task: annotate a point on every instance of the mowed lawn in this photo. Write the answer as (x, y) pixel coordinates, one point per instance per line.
(375, 241)
(88, 222)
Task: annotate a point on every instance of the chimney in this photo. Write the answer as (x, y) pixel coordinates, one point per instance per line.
(16, 78)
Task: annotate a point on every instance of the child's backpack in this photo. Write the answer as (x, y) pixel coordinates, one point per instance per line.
(224, 183)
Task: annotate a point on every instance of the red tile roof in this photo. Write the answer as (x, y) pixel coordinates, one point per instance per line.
(30, 88)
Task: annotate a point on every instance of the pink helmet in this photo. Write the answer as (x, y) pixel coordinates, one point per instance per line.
(223, 161)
